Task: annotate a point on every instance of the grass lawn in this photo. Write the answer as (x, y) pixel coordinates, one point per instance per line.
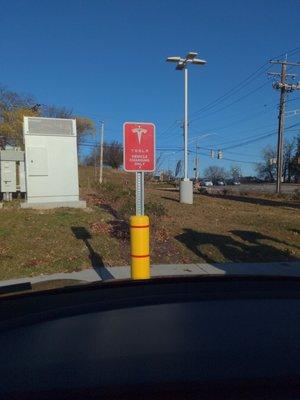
(214, 229)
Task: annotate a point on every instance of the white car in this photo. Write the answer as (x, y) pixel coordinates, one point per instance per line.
(207, 183)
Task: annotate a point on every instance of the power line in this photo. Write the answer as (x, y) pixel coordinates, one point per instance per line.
(250, 137)
(169, 127)
(96, 145)
(288, 100)
(227, 94)
(289, 53)
(235, 122)
(256, 139)
(241, 154)
(241, 161)
(233, 102)
(226, 159)
(247, 137)
(267, 109)
(250, 141)
(258, 72)
(237, 88)
(170, 131)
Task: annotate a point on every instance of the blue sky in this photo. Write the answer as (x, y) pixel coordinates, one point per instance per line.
(106, 59)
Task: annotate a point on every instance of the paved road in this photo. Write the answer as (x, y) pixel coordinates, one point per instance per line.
(261, 187)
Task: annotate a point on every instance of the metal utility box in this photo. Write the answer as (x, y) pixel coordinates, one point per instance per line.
(10, 162)
(51, 166)
(8, 177)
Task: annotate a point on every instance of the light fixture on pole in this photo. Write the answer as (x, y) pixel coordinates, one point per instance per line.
(186, 186)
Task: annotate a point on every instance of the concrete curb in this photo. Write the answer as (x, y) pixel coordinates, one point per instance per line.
(289, 268)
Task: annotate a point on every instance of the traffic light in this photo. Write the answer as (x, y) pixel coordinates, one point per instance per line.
(220, 154)
(212, 154)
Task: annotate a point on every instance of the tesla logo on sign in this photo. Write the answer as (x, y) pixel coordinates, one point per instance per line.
(139, 146)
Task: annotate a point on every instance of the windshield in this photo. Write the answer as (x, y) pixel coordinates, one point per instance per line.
(145, 139)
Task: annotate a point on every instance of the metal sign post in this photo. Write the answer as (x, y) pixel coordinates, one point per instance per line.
(140, 193)
(139, 157)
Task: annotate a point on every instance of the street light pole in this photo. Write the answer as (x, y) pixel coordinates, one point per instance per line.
(186, 186)
(186, 124)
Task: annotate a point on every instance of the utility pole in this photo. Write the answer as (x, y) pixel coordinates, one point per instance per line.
(196, 163)
(101, 152)
(95, 157)
(284, 87)
(281, 121)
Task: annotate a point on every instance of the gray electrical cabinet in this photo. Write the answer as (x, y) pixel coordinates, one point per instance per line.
(8, 179)
(11, 167)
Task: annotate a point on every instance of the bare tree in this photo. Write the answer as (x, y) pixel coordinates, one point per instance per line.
(14, 106)
(10, 100)
(267, 169)
(215, 173)
(112, 155)
(235, 172)
(53, 111)
(288, 152)
(295, 162)
(167, 175)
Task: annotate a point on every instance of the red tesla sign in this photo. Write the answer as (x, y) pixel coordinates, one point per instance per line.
(139, 146)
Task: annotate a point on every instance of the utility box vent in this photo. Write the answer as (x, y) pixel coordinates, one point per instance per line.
(51, 126)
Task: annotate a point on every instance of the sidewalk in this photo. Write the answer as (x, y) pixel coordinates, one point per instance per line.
(291, 268)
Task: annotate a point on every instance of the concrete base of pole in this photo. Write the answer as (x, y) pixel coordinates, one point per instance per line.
(55, 204)
(186, 192)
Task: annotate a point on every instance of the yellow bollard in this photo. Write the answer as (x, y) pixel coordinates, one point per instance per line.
(139, 247)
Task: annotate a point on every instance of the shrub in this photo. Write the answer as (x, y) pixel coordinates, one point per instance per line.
(127, 208)
(203, 190)
(244, 193)
(296, 195)
(112, 191)
(155, 209)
